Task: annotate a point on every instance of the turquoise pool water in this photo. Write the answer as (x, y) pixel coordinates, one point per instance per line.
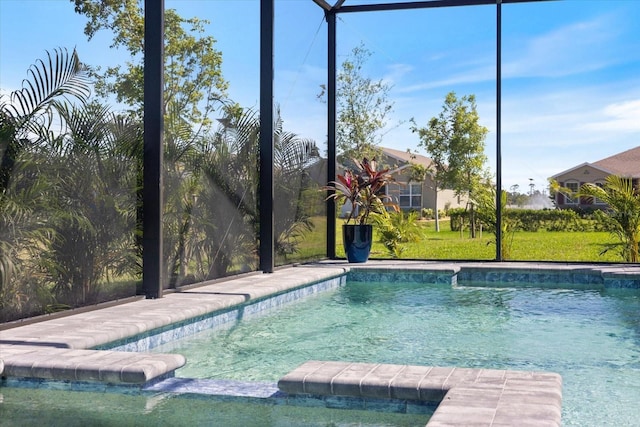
(590, 337)
(22, 407)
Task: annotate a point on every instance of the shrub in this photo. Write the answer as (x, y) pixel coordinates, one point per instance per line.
(396, 228)
(458, 217)
(533, 220)
(427, 213)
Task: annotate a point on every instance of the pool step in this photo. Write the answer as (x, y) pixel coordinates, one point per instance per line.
(214, 387)
(483, 397)
(66, 364)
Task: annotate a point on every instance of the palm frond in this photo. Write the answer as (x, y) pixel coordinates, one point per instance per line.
(623, 213)
(61, 75)
(88, 127)
(293, 153)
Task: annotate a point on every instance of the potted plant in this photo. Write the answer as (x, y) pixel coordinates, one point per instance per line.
(361, 189)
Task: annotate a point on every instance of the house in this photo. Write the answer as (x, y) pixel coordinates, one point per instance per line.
(625, 164)
(407, 195)
(411, 195)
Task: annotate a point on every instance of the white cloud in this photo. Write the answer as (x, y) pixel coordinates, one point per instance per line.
(574, 116)
(565, 51)
(475, 75)
(396, 72)
(571, 49)
(619, 117)
(545, 132)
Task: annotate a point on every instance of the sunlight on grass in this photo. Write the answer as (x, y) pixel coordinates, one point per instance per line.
(526, 246)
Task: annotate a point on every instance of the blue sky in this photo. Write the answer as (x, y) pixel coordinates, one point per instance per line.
(571, 69)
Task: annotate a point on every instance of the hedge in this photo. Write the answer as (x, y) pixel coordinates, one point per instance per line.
(533, 220)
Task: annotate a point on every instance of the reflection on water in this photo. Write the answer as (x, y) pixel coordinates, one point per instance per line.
(54, 408)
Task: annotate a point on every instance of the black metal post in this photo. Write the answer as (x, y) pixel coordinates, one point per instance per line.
(499, 131)
(153, 149)
(331, 130)
(265, 201)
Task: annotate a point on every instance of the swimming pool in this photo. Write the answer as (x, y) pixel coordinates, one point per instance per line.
(590, 336)
(182, 314)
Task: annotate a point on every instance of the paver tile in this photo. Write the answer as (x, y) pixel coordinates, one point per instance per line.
(347, 381)
(378, 382)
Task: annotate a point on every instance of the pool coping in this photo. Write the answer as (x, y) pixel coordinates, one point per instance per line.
(60, 348)
(464, 396)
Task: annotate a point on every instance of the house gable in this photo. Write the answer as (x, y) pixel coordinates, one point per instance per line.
(583, 173)
(625, 164)
(403, 158)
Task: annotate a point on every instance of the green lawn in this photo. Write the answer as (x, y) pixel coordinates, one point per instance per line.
(526, 246)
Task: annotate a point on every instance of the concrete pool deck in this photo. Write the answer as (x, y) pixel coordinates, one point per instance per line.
(465, 397)
(60, 348)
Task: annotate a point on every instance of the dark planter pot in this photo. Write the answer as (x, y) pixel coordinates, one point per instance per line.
(356, 240)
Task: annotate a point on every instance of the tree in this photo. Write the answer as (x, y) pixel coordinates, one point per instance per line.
(193, 84)
(623, 213)
(292, 155)
(193, 88)
(363, 107)
(455, 143)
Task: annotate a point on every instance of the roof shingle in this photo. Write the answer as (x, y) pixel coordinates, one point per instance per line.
(625, 164)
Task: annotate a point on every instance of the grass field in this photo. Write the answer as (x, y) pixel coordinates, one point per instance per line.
(451, 245)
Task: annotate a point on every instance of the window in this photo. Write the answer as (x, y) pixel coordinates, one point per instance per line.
(569, 199)
(411, 196)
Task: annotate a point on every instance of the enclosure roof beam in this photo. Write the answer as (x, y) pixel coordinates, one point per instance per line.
(421, 4)
(327, 7)
(323, 4)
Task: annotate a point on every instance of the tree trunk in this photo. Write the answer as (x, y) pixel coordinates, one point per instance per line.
(435, 210)
(472, 220)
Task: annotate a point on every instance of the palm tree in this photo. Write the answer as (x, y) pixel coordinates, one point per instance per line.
(225, 167)
(485, 199)
(225, 216)
(623, 213)
(26, 118)
(292, 155)
(94, 230)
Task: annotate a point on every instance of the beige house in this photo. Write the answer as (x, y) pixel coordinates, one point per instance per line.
(407, 195)
(416, 195)
(625, 164)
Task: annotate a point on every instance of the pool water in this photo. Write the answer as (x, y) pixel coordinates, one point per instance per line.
(22, 407)
(591, 338)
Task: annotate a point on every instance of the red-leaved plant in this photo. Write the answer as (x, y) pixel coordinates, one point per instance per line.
(362, 189)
